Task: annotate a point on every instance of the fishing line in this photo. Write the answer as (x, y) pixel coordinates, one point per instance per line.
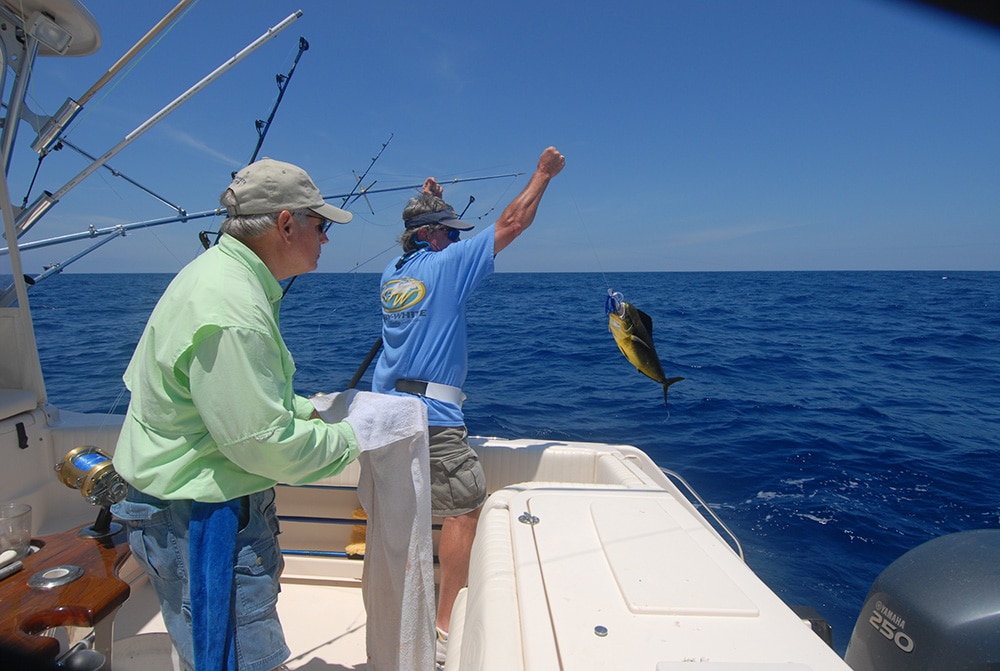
(615, 300)
(496, 202)
(632, 329)
(364, 263)
(593, 247)
(110, 414)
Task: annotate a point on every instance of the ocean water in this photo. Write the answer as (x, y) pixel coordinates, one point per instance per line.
(834, 420)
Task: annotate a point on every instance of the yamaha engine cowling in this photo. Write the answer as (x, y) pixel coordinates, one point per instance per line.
(936, 607)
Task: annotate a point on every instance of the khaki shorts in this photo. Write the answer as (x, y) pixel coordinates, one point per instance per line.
(458, 484)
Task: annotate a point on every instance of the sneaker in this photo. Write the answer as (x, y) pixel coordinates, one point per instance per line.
(440, 649)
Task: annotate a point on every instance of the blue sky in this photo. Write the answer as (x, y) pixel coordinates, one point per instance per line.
(718, 135)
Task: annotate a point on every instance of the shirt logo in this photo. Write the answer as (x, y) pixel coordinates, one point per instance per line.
(402, 294)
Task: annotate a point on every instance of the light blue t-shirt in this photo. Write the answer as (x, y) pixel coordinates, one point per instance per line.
(424, 335)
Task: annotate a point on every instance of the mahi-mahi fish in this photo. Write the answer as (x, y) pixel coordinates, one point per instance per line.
(633, 332)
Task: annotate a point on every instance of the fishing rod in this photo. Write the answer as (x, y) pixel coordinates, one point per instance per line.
(30, 215)
(457, 180)
(283, 81)
(472, 199)
(347, 197)
(373, 352)
(263, 127)
(358, 180)
(359, 373)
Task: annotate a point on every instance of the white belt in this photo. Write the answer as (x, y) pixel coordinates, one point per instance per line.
(435, 390)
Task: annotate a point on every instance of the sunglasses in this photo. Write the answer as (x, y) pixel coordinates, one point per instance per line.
(454, 234)
(323, 226)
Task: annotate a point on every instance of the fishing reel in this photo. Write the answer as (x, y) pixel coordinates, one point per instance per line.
(88, 469)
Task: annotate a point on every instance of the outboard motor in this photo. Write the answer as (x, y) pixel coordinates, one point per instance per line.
(936, 607)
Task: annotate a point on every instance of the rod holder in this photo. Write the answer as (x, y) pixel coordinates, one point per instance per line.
(53, 128)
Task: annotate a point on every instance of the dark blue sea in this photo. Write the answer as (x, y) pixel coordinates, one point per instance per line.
(834, 420)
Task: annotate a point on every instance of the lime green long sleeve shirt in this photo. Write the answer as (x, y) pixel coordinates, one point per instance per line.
(213, 415)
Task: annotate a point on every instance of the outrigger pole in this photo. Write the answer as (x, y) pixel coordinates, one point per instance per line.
(50, 129)
(30, 215)
(53, 128)
(49, 134)
(7, 297)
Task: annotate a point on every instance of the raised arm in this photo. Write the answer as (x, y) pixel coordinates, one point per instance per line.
(520, 213)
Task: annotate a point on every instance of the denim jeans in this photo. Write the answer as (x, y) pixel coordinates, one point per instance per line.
(158, 536)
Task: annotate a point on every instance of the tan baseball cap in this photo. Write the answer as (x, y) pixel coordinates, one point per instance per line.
(268, 186)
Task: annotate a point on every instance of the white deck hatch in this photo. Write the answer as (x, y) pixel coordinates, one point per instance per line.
(631, 541)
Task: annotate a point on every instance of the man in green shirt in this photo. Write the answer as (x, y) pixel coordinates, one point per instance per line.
(214, 423)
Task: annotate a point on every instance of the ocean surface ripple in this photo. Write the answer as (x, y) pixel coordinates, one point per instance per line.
(834, 420)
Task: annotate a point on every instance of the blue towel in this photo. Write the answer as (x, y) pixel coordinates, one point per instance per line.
(212, 550)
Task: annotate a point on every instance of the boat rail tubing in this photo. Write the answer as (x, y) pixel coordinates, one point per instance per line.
(16, 269)
(114, 230)
(735, 541)
(177, 102)
(56, 268)
(8, 296)
(31, 367)
(17, 94)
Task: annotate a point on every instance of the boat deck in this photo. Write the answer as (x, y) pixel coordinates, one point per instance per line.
(323, 618)
(320, 605)
(586, 557)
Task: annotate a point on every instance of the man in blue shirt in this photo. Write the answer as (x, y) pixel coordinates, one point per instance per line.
(424, 295)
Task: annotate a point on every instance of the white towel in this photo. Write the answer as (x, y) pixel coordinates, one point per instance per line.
(394, 488)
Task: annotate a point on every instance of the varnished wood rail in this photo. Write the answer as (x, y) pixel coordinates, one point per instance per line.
(26, 612)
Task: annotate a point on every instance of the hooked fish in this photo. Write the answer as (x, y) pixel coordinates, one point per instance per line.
(633, 332)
